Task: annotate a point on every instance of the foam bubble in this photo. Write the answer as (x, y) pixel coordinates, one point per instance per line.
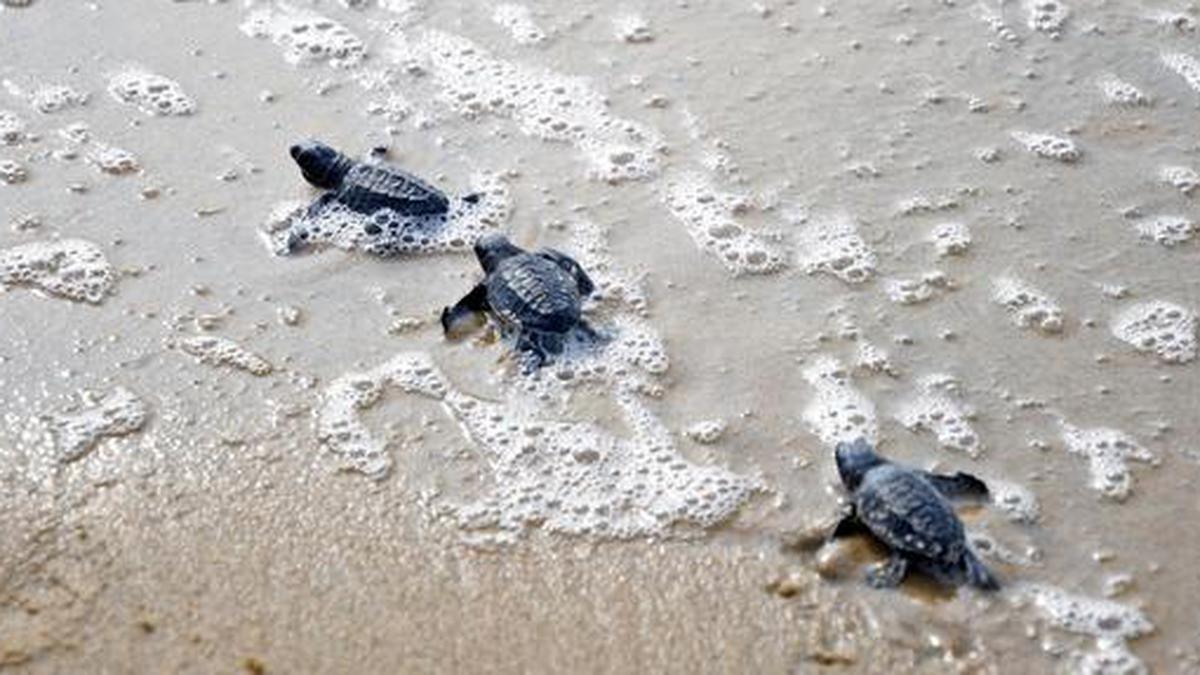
(951, 239)
(1018, 502)
(1163, 328)
(291, 227)
(119, 413)
(1047, 16)
(838, 412)
(632, 28)
(153, 94)
(568, 477)
(1048, 146)
(12, 128)
(937, 408)
(12, 172)
(70, 268)
(872, 358)
(834, 246)
(546, 104)
(1028, 306)
(706, 432)
(1111, 623)
(1108, 452)
(1118, 92)
(1170, 231)
(1182, 178)
(218, 351)
(1186, 66)
(916, 291)
(708, 215)
(106, 158)
(306, 37)
(518, 20)
(54, 98)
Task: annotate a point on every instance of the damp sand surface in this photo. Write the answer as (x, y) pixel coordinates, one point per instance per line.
(965, 231)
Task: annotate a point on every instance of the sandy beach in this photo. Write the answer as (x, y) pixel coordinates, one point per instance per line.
(965, 231)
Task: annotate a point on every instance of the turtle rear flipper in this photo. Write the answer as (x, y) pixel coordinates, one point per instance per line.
(959, 485)
(978, 575)
(466, 314)
(583, 282)
(537, 347)
(890, 573)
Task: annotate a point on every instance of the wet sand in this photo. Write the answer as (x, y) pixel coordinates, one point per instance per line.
(773, 178)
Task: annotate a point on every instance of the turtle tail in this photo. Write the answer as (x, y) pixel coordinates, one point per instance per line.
(978, 575)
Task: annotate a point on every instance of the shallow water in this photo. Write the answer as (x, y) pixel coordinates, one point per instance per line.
(948, 226)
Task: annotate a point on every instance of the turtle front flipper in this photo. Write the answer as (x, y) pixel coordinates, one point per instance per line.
(320, 205)
(583, 282)
(849, 526)
(890, 573)
(466, 314)
(978, 575)
(960, 485)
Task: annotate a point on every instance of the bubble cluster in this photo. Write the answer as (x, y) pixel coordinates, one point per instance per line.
(1028, 306)
(708, 215)
(1112, 624)
(153, 94)
(546, 104)
(12, 128)
(632, 28)
(838, 412)
(951, 239)
(518, 20)
(12, 172)
(218, 351)
(1159, 327)
(1182, 178)
(916, 291)
(834, 246)
(119, 413)
(1118, 92)
(1047, 16)
(1048, 146)
(1018, 502)
(52, 98)
(306, 37)
(567, 477)
(937, 408)
(1186, 66)
(70, 268)
(1170, 231)
(111, 159)
(706, 432)
(1108, 452)
(291, 227)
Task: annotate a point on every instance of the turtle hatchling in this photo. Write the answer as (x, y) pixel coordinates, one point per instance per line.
(536, 296)
(909, 510)
(364, 187)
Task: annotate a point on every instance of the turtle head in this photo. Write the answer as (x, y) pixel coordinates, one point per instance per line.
(321, 165)
(492, 248)
(854, 460)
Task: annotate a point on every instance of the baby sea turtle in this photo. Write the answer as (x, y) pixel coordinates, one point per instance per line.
(537, 296)
(364, 187)
(908, 510)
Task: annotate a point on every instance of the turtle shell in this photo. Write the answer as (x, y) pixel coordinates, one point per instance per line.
(367, 188)
(534, 293)
(908, 514)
